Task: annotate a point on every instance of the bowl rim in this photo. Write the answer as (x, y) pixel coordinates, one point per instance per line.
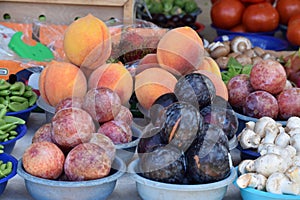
(282, 44)
(23, 131)
(264, 193)
(241, 116)
(68, 184)
(197, 187)
(14, 161)
(29, 109)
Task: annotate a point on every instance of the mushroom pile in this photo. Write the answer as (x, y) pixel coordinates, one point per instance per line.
(277, 170)
(240, 48)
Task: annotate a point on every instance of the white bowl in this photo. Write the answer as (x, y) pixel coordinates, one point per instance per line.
(99, 189)
(150, 190)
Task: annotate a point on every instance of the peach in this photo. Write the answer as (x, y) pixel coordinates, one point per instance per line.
(148, 61)
(114, 76)
(44, 160)
(43, 133)
(180, 59)
(221, 88)
(87, 42)
(60, 80)
(209, 64)
(151, 84)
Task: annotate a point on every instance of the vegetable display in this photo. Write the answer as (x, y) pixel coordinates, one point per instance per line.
(16, 96)
(276, 170)
(5, 168)
(252, 16)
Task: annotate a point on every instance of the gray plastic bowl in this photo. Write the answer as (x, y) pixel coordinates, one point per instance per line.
(150, 190)
(99, 189)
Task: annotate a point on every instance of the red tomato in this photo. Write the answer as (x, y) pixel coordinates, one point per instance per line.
(260, 17)
(257, 1)
(293, 32)
(226, 14)
(287, 8)
(294, 17)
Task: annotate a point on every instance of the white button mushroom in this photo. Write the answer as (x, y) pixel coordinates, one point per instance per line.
(269, 164)
(279, 183)
(252, 180)
(248, 139)
(293, 123)
(294, 174)
(261, 123)
(282, 139)
(242, 167)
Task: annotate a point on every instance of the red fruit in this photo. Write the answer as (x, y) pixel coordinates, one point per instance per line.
(43, 133)
(259, 104)
(124, 115)
(268, 75)
(72, 126)
(103, 104)
(87, 161)
(75, 102)
(118, 131)
(104, 142)
(44, 160)
(239, 87)
(289, 103)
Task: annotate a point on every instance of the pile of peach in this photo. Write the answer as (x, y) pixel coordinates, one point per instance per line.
(88, 46)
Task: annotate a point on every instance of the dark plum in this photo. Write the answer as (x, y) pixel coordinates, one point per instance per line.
(164, 164)
(219, 114)
(196, 89)
(161, 103)
(149, 141)
(182, 122)
(207, 158)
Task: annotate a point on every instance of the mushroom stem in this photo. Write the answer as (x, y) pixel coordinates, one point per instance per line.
(252, 180)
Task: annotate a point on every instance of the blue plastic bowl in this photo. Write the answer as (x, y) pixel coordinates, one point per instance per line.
(262, 41)
(221, 32)
(247, 153)
(100, 189)
(10, 144)
(5, 158)
(250, 194)
(23, 114)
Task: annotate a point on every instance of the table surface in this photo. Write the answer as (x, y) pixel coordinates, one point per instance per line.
(125, 188)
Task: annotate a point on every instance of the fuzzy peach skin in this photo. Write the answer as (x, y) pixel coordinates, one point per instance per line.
(151, 84)
(180, 50)
(87, 42)
(114, 76)
(60, 80)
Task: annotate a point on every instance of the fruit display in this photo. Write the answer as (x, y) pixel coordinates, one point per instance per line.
(186, 138)
(275, 170)
(264, 92)
(240, 16)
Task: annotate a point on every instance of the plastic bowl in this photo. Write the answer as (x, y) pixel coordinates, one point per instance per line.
(23, 114)
(149, 190)
(262, 41)
(99, 189)
(251, 193)
(10, 144)
(5, 158)
(221, 32)
(49, 110)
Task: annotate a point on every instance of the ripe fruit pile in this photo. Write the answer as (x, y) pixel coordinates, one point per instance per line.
(75, 149)
(265, 92)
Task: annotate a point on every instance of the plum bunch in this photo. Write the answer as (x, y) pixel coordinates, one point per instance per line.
(79, 142)
(265, 92)
(187, 139)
